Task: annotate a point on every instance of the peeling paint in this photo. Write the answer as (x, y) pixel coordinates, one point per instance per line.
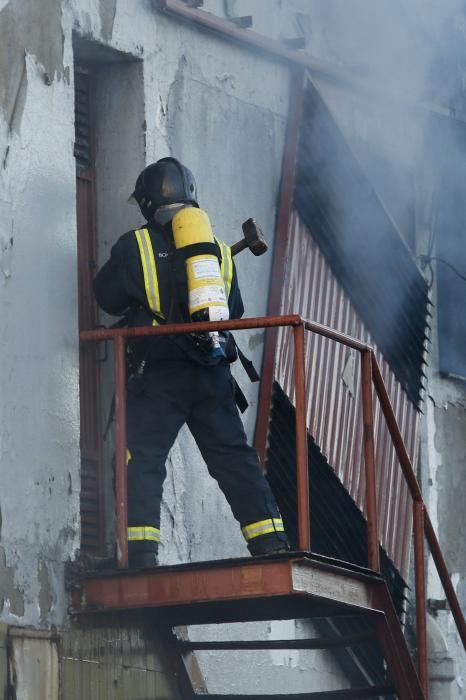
(107, 9)
(10, 597)
(6, 255)
(45, 593)
(33, 28)
(227, 78)
(449, 442)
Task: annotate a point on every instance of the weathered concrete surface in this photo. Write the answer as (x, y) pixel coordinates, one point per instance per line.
(39, 430)
(442, 475)
(107, 10)
(3, 659)
(11, 596)
(450, 444)
(442, 459)
(442, 670)
(27, 27)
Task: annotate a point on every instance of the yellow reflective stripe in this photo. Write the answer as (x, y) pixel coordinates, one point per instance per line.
(151, 283)
(228, 274)
(226, 265)
(139, 534)
(262, 527)
(129, 456)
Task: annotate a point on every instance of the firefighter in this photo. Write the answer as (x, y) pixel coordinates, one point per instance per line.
(175, 380)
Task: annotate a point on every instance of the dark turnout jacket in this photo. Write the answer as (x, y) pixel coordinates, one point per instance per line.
(145, 281)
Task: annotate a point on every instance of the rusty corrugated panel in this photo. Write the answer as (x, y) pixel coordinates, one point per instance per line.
(339, 531)
(121, 656)
(334, 412)
(362, 245)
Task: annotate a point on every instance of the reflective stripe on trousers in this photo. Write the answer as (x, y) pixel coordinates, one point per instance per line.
(144, 533)
(262, 527)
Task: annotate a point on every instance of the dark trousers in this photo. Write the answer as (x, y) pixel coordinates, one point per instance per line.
(168, 395)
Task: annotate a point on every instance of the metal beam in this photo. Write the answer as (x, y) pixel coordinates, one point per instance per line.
(347, 694)
(286, 578)
(322, 643)
(185, 328)
(369, 461)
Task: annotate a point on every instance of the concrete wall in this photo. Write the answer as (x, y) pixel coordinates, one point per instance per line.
(39, 411)
(443, 458)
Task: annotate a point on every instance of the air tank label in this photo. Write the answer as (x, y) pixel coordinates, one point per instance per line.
(205, 296)
(218, 313)
(203, 269)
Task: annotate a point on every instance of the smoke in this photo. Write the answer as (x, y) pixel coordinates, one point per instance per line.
(395, 42)
(411, 55)
(399, 98)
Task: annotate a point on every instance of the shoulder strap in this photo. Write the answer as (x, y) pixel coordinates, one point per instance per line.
(241, 400)
(149, 269)
(247, 364)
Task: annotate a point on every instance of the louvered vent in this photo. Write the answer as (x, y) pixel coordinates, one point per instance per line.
(92, 512)
(82, 144)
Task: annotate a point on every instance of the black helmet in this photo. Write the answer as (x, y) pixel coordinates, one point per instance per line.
(165, 182)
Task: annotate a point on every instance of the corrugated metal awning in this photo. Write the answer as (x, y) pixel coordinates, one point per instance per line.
(361, 243)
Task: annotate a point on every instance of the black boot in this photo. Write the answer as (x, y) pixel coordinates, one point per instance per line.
(268, 544)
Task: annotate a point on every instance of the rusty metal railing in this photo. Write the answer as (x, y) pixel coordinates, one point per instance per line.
(370, 376)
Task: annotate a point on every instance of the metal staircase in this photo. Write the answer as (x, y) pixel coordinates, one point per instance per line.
(295, 585)
(288, 586)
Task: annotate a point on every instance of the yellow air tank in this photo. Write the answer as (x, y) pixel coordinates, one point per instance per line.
(206, 292)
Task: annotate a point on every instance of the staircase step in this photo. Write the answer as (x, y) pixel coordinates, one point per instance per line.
(347, 694)
(319, 643)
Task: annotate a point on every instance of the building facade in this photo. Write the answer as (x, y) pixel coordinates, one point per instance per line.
(92, 91)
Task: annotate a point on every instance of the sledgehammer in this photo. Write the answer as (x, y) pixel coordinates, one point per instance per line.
(253, 239)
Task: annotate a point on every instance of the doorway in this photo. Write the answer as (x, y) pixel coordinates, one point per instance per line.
(109, 153)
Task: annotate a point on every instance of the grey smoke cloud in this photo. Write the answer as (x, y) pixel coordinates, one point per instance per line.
(393, 41)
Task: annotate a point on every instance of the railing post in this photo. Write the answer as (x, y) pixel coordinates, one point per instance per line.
(121, 461)
(302, 466)
(419, 572)
(369, 460)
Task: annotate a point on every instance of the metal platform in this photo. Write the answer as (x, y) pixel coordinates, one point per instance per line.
(286, 586)
(234, 589)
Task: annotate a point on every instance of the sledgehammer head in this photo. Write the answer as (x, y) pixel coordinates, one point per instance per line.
(253, 239)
